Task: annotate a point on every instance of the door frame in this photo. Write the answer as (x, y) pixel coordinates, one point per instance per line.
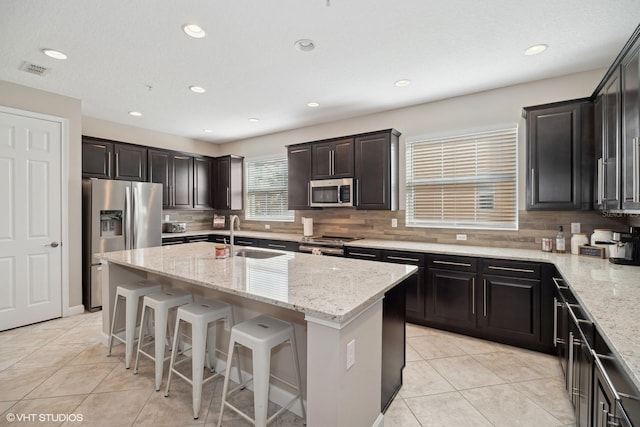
(64, 200)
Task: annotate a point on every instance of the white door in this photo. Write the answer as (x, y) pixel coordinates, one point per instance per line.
(30, 220)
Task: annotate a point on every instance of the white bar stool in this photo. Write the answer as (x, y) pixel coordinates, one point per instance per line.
(161, 303)
(203, 316)
(261, 334)
(131, 293)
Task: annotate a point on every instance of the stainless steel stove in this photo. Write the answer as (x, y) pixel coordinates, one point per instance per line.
(325, 245)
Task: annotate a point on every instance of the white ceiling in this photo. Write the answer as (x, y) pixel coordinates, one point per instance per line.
(117, 49)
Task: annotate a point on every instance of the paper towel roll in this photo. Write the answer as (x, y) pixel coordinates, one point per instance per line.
(307, 224)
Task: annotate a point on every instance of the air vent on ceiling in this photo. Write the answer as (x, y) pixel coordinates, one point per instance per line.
(38, 70)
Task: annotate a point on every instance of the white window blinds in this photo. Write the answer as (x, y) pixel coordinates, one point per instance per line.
(267, 189)
(466, 181)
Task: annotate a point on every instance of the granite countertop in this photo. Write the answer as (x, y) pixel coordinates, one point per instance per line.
(609, 292)
(239, 233)
(330, 288)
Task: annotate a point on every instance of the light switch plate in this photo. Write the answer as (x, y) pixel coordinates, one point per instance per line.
(575, 227)
(461, 237)
(267, 226)
(394, 222)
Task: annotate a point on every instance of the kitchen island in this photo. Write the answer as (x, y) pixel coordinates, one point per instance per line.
(331, 301)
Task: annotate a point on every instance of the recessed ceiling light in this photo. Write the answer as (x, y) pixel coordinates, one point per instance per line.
(305, 45)
(253, 119)
(54, 54)
(207, 130)
(197, 89)
(135, 113)
(313, 104)
(193, 30)
(402, 83)
(535, 49)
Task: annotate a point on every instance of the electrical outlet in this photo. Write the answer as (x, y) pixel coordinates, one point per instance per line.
(575, 227)
(394, 222)
(351, 353)
(267, 226)
(461, 237)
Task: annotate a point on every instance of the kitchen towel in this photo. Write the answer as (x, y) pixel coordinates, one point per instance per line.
(307, 224)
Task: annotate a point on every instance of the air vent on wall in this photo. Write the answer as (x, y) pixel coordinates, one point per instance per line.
(38, 70)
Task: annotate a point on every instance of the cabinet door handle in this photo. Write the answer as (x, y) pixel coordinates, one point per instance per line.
(636, 178)
(570, 363)
(117, 164)
(607, 380)
(362, 254)
(484, 285)
(272, 245)
(330, 172)
(457, 264)
(244, 242)
(358, 191)
(600, 180)
(555, 321)
(533, 186)
(109, 163)
(473, 295)
(309, 194)
(558, 286)
(228, 197)
(517, 270)
(400, 258)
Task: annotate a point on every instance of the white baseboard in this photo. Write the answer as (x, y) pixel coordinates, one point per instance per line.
(73, 311)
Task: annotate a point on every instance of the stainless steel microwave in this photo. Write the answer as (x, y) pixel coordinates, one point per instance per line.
(326, 193)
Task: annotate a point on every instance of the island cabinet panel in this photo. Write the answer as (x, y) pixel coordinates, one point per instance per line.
(332, 159)
(560, 155)
(299, 164)
(415, 287)
(393, 342)
(376, 171)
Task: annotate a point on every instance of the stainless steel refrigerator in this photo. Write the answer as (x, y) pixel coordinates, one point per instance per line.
(116, 215)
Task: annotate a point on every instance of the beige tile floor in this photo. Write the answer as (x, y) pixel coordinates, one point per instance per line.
(60, 367)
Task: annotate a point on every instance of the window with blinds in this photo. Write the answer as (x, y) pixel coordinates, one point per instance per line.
(466, 181)
(266, 192)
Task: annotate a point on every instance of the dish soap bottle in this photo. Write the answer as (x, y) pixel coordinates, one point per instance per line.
(560, 241)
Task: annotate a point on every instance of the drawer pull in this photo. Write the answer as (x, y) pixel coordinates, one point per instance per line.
(400, 258)
(556, 280)
(361, 254)
(458, 264)
(271, 245)
(244, 242)
(517, 270)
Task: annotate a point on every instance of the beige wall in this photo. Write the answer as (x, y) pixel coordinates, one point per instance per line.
(124, 133)
(28, 99)
(464, 113)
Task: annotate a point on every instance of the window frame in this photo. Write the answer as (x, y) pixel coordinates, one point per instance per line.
(284, 215)
(410, 143)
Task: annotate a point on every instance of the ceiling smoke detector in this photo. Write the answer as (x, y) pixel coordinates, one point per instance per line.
(38, 70)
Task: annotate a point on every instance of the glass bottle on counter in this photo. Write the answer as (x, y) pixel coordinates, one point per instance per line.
(560, 243)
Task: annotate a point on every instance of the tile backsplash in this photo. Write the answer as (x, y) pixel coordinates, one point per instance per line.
(534, 225)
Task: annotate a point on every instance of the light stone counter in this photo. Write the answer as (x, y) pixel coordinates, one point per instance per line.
(332, 288)
(609, 292)
(240, 233)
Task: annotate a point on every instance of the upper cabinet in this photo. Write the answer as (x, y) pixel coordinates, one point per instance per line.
(202, 182)
(560, 155)
(299, 165)
(106, 159)
(617, 132)
(175, 172)
(376, 170)
(228, 182)
(332, 159)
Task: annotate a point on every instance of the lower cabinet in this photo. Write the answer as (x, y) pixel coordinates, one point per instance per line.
(451, 298)
(414, 287)
(281, 245)
(393, 342)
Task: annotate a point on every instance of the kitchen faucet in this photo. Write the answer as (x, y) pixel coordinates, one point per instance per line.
(232, 220)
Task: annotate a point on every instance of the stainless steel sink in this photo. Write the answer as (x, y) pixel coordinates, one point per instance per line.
(249, 253)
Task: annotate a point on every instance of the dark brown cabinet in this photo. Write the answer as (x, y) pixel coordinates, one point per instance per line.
(113, 160)
(415, 288)
(451, 292)
(299, 165)
(376, 170)
(175, 172)
(611, 143)
(511, 300)
(202, 178)
(332, 159)
(560, 155)
(630, 71)
(228, 182)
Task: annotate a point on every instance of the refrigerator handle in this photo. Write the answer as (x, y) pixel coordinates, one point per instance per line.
(134, 217)
(127, 221)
